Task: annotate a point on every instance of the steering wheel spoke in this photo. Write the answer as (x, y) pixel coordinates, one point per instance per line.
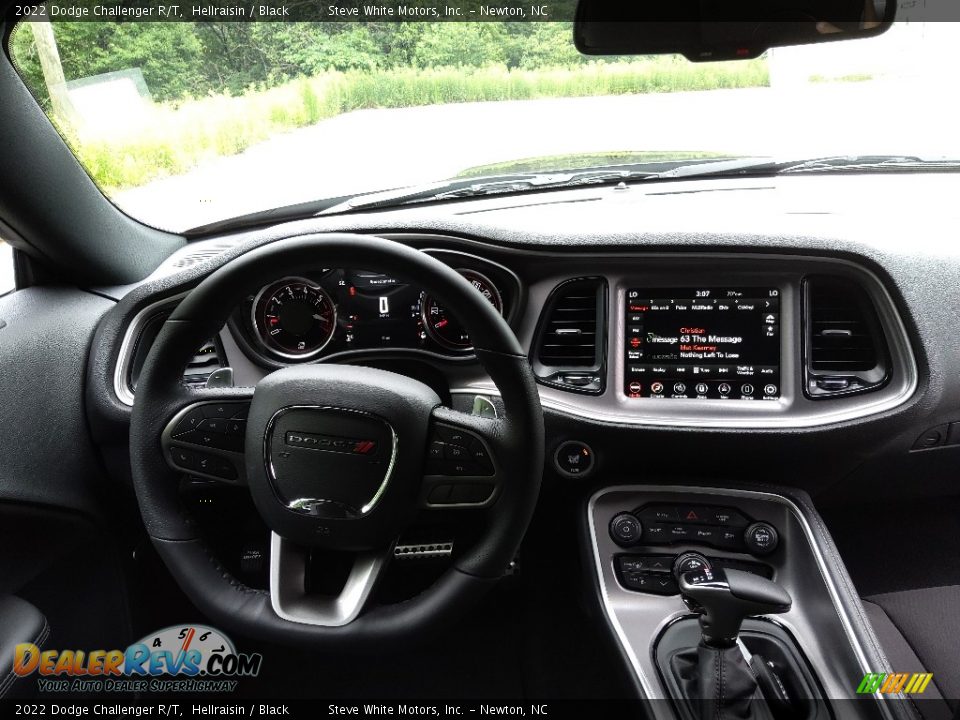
(206, 438)
(290, 600)
(461, 469)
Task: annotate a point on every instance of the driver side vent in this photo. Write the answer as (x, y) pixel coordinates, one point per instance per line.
(845, 347)
(570, 341)
(203, 364)
(207, 359)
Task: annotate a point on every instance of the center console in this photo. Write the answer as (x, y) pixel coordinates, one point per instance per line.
(675, 565)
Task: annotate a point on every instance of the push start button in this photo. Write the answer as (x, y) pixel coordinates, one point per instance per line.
(574, 459)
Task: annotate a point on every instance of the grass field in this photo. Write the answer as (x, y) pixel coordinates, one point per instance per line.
(177, 137)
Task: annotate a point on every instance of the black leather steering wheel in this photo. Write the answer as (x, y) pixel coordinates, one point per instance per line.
(336, 456)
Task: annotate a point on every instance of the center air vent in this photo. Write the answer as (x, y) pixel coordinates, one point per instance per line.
(570, 344)
(845, 348)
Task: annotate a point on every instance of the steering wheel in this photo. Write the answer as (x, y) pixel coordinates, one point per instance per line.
(336, 457)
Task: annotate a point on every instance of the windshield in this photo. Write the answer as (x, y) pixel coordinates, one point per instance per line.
(183, 124)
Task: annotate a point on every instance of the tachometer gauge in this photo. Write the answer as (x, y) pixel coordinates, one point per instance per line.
(294, 318)
(442, 327)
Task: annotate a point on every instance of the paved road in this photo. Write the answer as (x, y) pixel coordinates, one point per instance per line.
(379, 149)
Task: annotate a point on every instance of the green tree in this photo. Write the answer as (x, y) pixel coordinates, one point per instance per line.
(460, 43)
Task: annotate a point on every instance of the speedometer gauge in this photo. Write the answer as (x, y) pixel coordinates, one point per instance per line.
(446, 330)
(294, 318)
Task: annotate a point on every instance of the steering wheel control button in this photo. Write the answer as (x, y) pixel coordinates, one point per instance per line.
(189, 422)
(480, 456)
(203, 463)
(223, 410)
(574, 459)
(435, 465)
(451, 436)
(625, 530)
(761, 538)
(184, 459)
(214, 425)
(457, 453)
(222, 468)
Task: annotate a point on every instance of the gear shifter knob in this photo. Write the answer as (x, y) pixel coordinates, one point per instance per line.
(723, 598)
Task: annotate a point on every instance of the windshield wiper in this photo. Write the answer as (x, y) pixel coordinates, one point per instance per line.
(655, 171)
(726, 168)
(488, 186)
(766, 167)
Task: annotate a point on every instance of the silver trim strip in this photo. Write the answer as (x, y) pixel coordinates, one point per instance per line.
(290, 602)
(649, 689)
(125, 356)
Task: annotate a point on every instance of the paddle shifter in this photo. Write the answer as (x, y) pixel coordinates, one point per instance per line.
(723, 598)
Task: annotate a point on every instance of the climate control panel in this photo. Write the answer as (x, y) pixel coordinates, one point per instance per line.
(713, 526)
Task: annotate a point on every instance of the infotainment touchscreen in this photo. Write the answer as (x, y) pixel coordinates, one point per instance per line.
(718, 343)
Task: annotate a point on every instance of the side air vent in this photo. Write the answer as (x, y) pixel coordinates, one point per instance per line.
(207, 359)
(570, 343)
(845, 348)
(203, 364)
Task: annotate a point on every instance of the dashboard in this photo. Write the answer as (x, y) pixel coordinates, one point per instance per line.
(855, 348)
(758, 340)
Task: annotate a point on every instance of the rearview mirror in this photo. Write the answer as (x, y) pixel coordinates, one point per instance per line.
(703, 30)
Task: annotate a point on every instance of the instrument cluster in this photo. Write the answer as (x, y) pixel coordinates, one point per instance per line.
(315, 315)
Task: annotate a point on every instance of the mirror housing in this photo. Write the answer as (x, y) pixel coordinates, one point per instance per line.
(709, 30)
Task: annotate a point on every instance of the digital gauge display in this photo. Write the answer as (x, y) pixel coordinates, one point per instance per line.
(298, 318)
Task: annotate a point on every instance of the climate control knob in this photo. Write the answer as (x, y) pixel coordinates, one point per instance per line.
(689, 562)
(761, 538)
(625, 530)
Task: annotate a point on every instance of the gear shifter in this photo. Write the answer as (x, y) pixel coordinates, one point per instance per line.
(723, 598)
(715, 677)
